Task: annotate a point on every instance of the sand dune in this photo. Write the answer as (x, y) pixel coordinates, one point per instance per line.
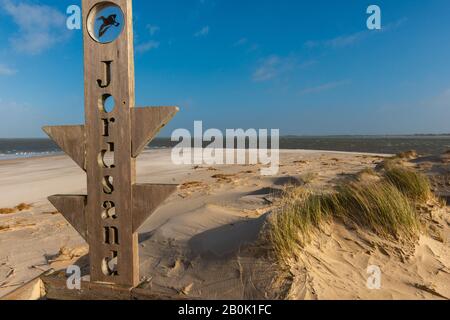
(209, 239)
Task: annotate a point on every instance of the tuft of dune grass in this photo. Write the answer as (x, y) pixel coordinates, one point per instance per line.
(369, 171)
(379, 207)
(300, 213)
(398, 160)
(309, 177)
(367, 174)
(385, 207)
(391, 163)
(413, 184)
(411, 154)
(23, 206)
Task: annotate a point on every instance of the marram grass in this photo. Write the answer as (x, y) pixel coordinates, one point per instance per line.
(299, 214)
(379, 207)
(413, 184)
(385, 207)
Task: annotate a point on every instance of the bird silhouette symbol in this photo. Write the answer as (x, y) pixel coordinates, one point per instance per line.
(107, 23)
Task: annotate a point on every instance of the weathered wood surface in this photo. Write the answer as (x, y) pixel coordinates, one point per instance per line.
(71, 140)
(106, 147)
(73, 210)
(55, 288)
(110, 185)
(146, 123)
(146, 198)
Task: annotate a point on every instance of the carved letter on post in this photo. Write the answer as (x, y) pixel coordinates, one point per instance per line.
(107, 75)
(106, 147)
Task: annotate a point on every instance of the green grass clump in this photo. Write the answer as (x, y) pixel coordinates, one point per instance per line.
(368, 171)
(414, 185)
(299, 214)
(391, 163)
(309, 177)
(378, 206)
(367, 174)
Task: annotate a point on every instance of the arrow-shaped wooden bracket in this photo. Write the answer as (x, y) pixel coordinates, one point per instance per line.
(146, 199)
(73, 210)
(146, 123)
(71, 139)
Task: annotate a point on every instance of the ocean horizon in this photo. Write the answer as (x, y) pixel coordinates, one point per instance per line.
(11, 148)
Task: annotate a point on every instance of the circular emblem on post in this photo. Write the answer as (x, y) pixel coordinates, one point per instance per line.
(105, 22)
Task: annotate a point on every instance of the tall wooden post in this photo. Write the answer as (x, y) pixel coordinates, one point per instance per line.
(106, 147)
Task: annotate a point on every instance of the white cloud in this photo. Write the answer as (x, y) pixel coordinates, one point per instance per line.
(350, 39)
(339, 42)
(153, 29)
(6, 71)
(247, 44)
(253, 47)
(40, 26)
(274, 66)
(203, 32)
(147, 46)
(268, 69)
(240, 42)
(323, 87)
(394, 25)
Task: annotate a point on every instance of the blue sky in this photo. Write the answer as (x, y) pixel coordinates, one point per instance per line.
(305, 67)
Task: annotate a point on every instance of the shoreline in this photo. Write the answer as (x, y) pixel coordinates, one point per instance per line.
(58, 154)
(11, 149)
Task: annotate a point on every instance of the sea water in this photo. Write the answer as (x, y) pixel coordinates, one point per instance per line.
(24, 148)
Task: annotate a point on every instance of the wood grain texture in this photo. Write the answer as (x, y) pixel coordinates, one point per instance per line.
(106, 148)
(146, 123)
(146, 199)
(55, 288)
(73, 210)
(121, 88)
(71, 139)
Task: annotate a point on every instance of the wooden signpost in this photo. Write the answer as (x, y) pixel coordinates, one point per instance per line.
(106, 147)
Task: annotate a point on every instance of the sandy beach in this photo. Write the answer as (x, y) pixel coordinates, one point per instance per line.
(209, 238)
